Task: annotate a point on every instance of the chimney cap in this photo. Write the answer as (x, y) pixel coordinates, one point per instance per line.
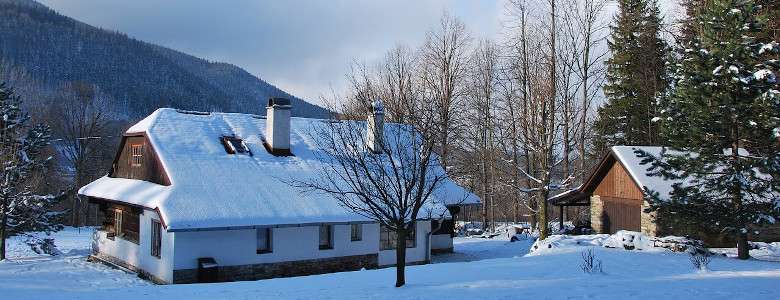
(377, 107)
(275, 101)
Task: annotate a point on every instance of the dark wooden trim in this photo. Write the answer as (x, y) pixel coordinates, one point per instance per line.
(97, 200)
(601, 171)
(277, 152)
(598, 174)
(155, 156)
(162, 220)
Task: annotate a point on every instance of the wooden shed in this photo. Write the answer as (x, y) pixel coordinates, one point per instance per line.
(613, 191)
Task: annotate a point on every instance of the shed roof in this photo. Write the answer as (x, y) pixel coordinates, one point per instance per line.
(628, 157)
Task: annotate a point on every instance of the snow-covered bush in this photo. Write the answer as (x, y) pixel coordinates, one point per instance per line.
(626, 240)
(629, 240)
(590, 264)
(700, 260)
(632, 240)
(567, 241)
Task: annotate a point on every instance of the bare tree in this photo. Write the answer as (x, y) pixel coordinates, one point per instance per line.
(443, 70)
(585, 25)
(398, 84)
(390, 183)
(81, 123)
(483, 82)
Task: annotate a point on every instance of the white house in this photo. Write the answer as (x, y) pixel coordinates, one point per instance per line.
(195, 197)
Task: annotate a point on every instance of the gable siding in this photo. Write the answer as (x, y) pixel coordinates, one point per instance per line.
(618, 184)
(150, 170)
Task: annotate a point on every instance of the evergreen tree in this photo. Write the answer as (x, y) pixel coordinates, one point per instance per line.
(722, 124)
(20, 156)
(636, 75)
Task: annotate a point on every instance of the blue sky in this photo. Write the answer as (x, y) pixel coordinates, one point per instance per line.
(303, 46)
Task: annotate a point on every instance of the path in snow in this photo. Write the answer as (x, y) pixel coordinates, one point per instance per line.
(473, 249)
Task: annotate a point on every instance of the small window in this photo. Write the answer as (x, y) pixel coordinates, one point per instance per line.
(156, 238)
(234, 145)
(356, 232)
(136, 155)
(130, 225)
(388, 238)
(117, 222)
(326, 237)
(263, 240)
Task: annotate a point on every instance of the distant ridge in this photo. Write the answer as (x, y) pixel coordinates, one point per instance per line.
(139, 77)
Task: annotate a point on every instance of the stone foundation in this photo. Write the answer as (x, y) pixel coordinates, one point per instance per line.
(596, 214)
(442, 250)
(648, 223)
(283, 269)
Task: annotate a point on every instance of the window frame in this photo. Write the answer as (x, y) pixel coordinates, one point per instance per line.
(136, 157)
(356, 232)
(387, 238)
(156, 238)
(130, 230)
(117, 223)
(235, 145)
(329, 230)
(268, 248)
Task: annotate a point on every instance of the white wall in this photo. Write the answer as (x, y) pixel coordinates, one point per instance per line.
(416, 254)
(139, 255)
(239, 247)
(441, 241)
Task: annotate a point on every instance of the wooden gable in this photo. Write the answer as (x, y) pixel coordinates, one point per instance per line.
(137, 159)
(617, 183)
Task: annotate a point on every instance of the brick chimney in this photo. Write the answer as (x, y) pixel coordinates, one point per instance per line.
(376, 124)
(277, 126)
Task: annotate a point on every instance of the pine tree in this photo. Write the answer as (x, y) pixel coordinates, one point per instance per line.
(20, 156)
(636, 75)
(722, 124)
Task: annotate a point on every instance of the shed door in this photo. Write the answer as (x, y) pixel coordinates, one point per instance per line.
(622, 214)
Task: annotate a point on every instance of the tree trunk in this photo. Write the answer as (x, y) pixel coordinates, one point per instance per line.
(400, 258)
(742, 246)
(3, 225)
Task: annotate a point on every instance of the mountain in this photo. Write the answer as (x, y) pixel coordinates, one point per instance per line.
(137, 77)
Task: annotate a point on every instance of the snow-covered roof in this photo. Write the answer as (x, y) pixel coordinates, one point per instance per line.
(632, 162)
(213, 189)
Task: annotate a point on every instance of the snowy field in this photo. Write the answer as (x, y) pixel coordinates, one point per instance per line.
(481, 269)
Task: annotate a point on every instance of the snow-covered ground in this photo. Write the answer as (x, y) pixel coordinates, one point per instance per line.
(481, 269)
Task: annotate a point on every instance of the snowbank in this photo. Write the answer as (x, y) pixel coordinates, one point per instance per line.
(628, 275)
(627, 240)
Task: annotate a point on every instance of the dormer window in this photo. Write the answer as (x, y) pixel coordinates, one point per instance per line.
(136, 155)
(234, 145)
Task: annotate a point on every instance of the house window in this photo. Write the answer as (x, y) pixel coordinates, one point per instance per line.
(356, 232)
(326, 237)
(136, 155)
(387, 238)
(234, 145)
(156, 238)
(263, 240)
(130, 222)
(114, 224)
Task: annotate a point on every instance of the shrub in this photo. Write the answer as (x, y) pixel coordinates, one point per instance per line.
(590, 264)
(700, 260)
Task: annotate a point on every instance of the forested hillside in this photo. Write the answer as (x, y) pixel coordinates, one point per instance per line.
(137, 77)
